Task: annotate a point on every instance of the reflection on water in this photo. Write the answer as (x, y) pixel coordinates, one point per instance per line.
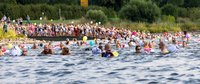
(181, 67)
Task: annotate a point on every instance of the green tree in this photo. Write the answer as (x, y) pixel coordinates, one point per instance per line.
(182, 12)
(194, 13)
(170, 9)
(168, 18)
(192, 3)
(68, 2)
(176, 2)
(97, 16)
(106, 3)
(8, 1)
(137, 10)
(115, 4)
(32, 1)
(164, 2)
(160, 2)
(110, 13)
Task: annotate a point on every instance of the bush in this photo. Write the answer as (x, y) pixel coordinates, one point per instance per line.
(183, 20)
(189, 27)
(97, 16)
(140, 11)
(110, 13)
(168, 18)
(9, 34)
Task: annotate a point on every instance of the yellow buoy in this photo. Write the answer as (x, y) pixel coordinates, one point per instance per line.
(10, 46)
(85, 38)
(116, 54)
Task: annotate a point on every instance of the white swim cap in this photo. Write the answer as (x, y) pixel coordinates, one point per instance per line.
(96, 50)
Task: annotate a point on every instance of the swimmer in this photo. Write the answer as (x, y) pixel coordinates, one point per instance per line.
(118, 45)
(61, 45)
(108, 52)
(115, 41)
(100, 46)
(67, 42)
(77, 43)
(15, 51)
(184, 44)
(1, 51)
(173, 47)
(65, 51)
(34, 46)
(130, 43)
(96, 42)
(138, 49)
(41, 44)
(24, 52)
(75, 40)
(50, 45)
(163, 48)
(47, 50)
(186, 36)
(147, 47)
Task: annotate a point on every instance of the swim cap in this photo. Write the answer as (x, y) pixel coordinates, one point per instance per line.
(187, 36)
(172, 48)
(96, 50)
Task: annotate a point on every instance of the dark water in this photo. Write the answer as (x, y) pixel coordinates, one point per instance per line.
(81, 67)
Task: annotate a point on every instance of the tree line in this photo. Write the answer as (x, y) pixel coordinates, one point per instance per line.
(134, 10)
(107, 3)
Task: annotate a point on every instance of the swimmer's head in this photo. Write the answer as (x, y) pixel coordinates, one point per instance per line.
(107, 47)
(65, 51)
(138, 49)
(41, 44)
(67, 39)
(185, 32)
(174, 41)
(46, 47)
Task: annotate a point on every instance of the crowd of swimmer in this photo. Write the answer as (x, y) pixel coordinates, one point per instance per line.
(140, 41)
